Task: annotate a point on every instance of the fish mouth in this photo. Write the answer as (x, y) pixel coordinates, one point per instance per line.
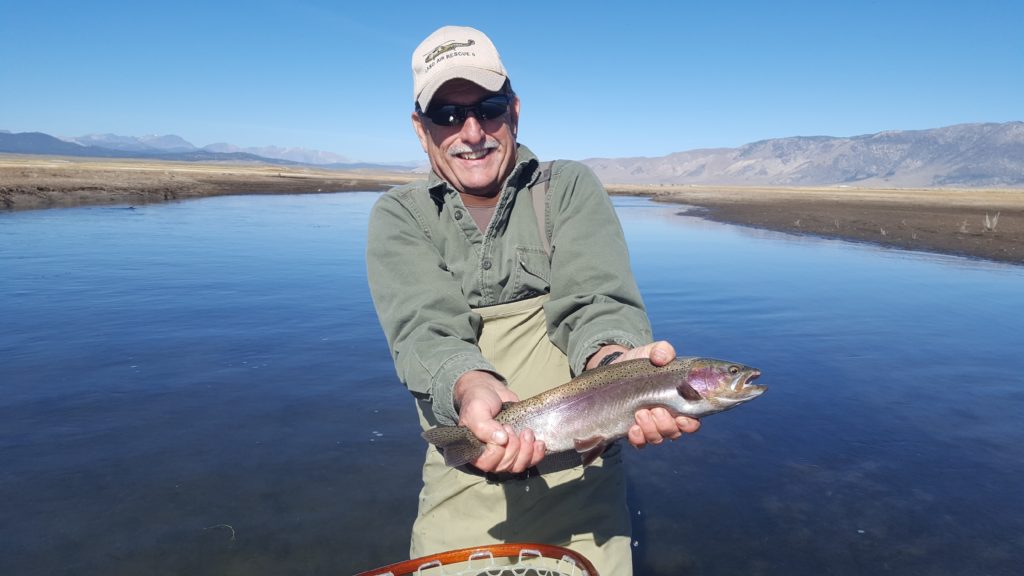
(744, 384)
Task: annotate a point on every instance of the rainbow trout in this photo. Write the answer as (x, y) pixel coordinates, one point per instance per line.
(596, 408)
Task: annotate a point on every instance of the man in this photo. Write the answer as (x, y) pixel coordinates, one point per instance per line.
(486, 297)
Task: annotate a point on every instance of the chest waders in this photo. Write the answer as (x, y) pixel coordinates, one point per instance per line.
(581, 508)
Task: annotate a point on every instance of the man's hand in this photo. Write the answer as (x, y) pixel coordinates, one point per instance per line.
(652, 426)
(478, 397)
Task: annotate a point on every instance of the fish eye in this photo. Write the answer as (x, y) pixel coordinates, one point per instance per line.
(734, 369)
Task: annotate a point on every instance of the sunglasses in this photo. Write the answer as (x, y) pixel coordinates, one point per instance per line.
(455, 114)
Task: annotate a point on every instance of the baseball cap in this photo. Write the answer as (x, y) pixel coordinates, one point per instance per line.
(455, 52)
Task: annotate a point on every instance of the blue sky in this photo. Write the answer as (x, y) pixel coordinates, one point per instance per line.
(596, 80)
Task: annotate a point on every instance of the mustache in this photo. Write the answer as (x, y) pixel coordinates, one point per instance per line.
(489, 144)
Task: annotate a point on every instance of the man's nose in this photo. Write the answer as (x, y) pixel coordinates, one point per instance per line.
(472, 131)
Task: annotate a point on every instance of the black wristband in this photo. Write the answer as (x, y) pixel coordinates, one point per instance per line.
(608, 359)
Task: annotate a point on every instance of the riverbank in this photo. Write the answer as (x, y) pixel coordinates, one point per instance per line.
(34, 182)
(986, 224)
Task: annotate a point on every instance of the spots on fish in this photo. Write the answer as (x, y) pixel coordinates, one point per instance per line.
(602, 402)
(591, 381)
(457, 443)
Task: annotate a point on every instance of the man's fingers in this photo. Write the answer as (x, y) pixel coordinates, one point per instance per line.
(654, 425)
(496, 450)
(511, 451)
(662, 353)
(648, 426)
(490, 458)
(500, 437)
(524, 459)
(636, 436)
(538, 452)
(659, 353)
(665, 424)
(486, 430)
(687, 425)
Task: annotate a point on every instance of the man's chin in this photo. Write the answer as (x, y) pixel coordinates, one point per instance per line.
(479, 182)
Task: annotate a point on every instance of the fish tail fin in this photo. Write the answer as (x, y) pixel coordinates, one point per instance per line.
(457, 443)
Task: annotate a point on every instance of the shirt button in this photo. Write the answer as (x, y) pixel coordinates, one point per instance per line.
(486, 264)
(458, 214)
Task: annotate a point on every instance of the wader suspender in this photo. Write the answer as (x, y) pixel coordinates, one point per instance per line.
(539, 190)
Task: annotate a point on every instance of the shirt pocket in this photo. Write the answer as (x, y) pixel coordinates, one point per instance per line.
(532, 274)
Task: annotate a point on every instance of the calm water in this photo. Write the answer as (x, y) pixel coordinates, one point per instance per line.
(202, 388)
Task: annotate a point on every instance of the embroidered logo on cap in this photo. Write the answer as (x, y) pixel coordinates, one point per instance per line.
(446, 47)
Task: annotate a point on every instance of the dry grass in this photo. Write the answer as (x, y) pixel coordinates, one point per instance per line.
(946, 220)
(1012, 198)
(28, 182)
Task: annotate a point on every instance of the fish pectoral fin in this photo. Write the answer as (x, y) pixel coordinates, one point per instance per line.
(590, 448)
(587, 444)
(589, 457)
(688, 393)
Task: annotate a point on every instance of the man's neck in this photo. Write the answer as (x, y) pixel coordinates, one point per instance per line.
(479, 201)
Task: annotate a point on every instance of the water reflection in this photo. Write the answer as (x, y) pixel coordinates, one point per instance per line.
(201, 387)
(892, 401)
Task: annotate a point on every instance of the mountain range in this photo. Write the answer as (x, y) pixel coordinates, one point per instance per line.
(963, 155)
(170, 144)
(171, 147)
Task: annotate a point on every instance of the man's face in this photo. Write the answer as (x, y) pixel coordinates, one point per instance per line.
(476, 156)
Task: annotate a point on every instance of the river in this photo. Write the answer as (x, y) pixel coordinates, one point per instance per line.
(201, 387)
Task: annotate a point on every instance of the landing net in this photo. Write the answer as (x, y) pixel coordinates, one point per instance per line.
(495, 560)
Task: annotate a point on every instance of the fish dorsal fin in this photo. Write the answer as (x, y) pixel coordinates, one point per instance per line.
(688, 393)
(590, 448)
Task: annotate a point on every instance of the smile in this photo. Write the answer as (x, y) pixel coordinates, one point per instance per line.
(473, 155)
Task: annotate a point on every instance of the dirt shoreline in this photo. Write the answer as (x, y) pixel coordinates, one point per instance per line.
(35, 182)
(983, 224)
(947, 221)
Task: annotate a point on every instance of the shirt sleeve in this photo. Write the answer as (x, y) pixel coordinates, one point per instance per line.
(594, 297)
(430, 329)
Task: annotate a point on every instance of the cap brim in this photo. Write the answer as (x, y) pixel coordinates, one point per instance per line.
(486, 79)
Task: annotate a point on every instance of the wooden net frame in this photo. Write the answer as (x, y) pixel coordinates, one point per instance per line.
(523, 559)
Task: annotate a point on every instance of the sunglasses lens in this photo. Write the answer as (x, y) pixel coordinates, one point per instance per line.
(455, 114)
(447, 115)
(492, 107)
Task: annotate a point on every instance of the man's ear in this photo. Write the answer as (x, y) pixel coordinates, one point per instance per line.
(421, 131)
(514, 116)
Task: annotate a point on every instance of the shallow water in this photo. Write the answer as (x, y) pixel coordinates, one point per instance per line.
(202, 387)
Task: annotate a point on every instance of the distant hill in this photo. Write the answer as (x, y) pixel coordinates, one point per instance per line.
(152, 144)
(171, 147)
(302, 155)
(965, 155)
(39, 143)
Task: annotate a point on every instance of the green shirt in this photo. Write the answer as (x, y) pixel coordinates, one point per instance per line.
(429, 266)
